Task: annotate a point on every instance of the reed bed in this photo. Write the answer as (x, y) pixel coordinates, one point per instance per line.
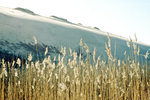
(75, 79)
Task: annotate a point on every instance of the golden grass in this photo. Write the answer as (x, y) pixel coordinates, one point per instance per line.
(76, 79)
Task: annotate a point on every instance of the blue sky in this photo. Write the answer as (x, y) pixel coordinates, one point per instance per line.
(121, 17)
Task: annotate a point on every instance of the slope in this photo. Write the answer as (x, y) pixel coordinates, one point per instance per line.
(18, 28)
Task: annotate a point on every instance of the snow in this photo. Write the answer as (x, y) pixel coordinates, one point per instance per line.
(18, 28)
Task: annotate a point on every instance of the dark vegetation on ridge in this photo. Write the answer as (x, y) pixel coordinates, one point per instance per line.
(25, 10)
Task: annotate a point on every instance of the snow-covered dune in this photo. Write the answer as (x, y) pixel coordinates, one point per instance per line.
(18, 28)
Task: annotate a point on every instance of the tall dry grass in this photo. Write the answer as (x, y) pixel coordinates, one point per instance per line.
(77, 79)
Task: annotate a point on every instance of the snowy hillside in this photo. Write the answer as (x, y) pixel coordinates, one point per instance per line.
(17, 29)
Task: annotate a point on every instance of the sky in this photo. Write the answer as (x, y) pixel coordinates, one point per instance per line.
(121, 17)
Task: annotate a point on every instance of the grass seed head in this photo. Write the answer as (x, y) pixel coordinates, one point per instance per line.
(94, 53)
(146, 55)
(18, 62)
(128, 44)
(46, 51)
(16, 73)
(35, 40)
(62, 87)
(81, 43)
(30, 57)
